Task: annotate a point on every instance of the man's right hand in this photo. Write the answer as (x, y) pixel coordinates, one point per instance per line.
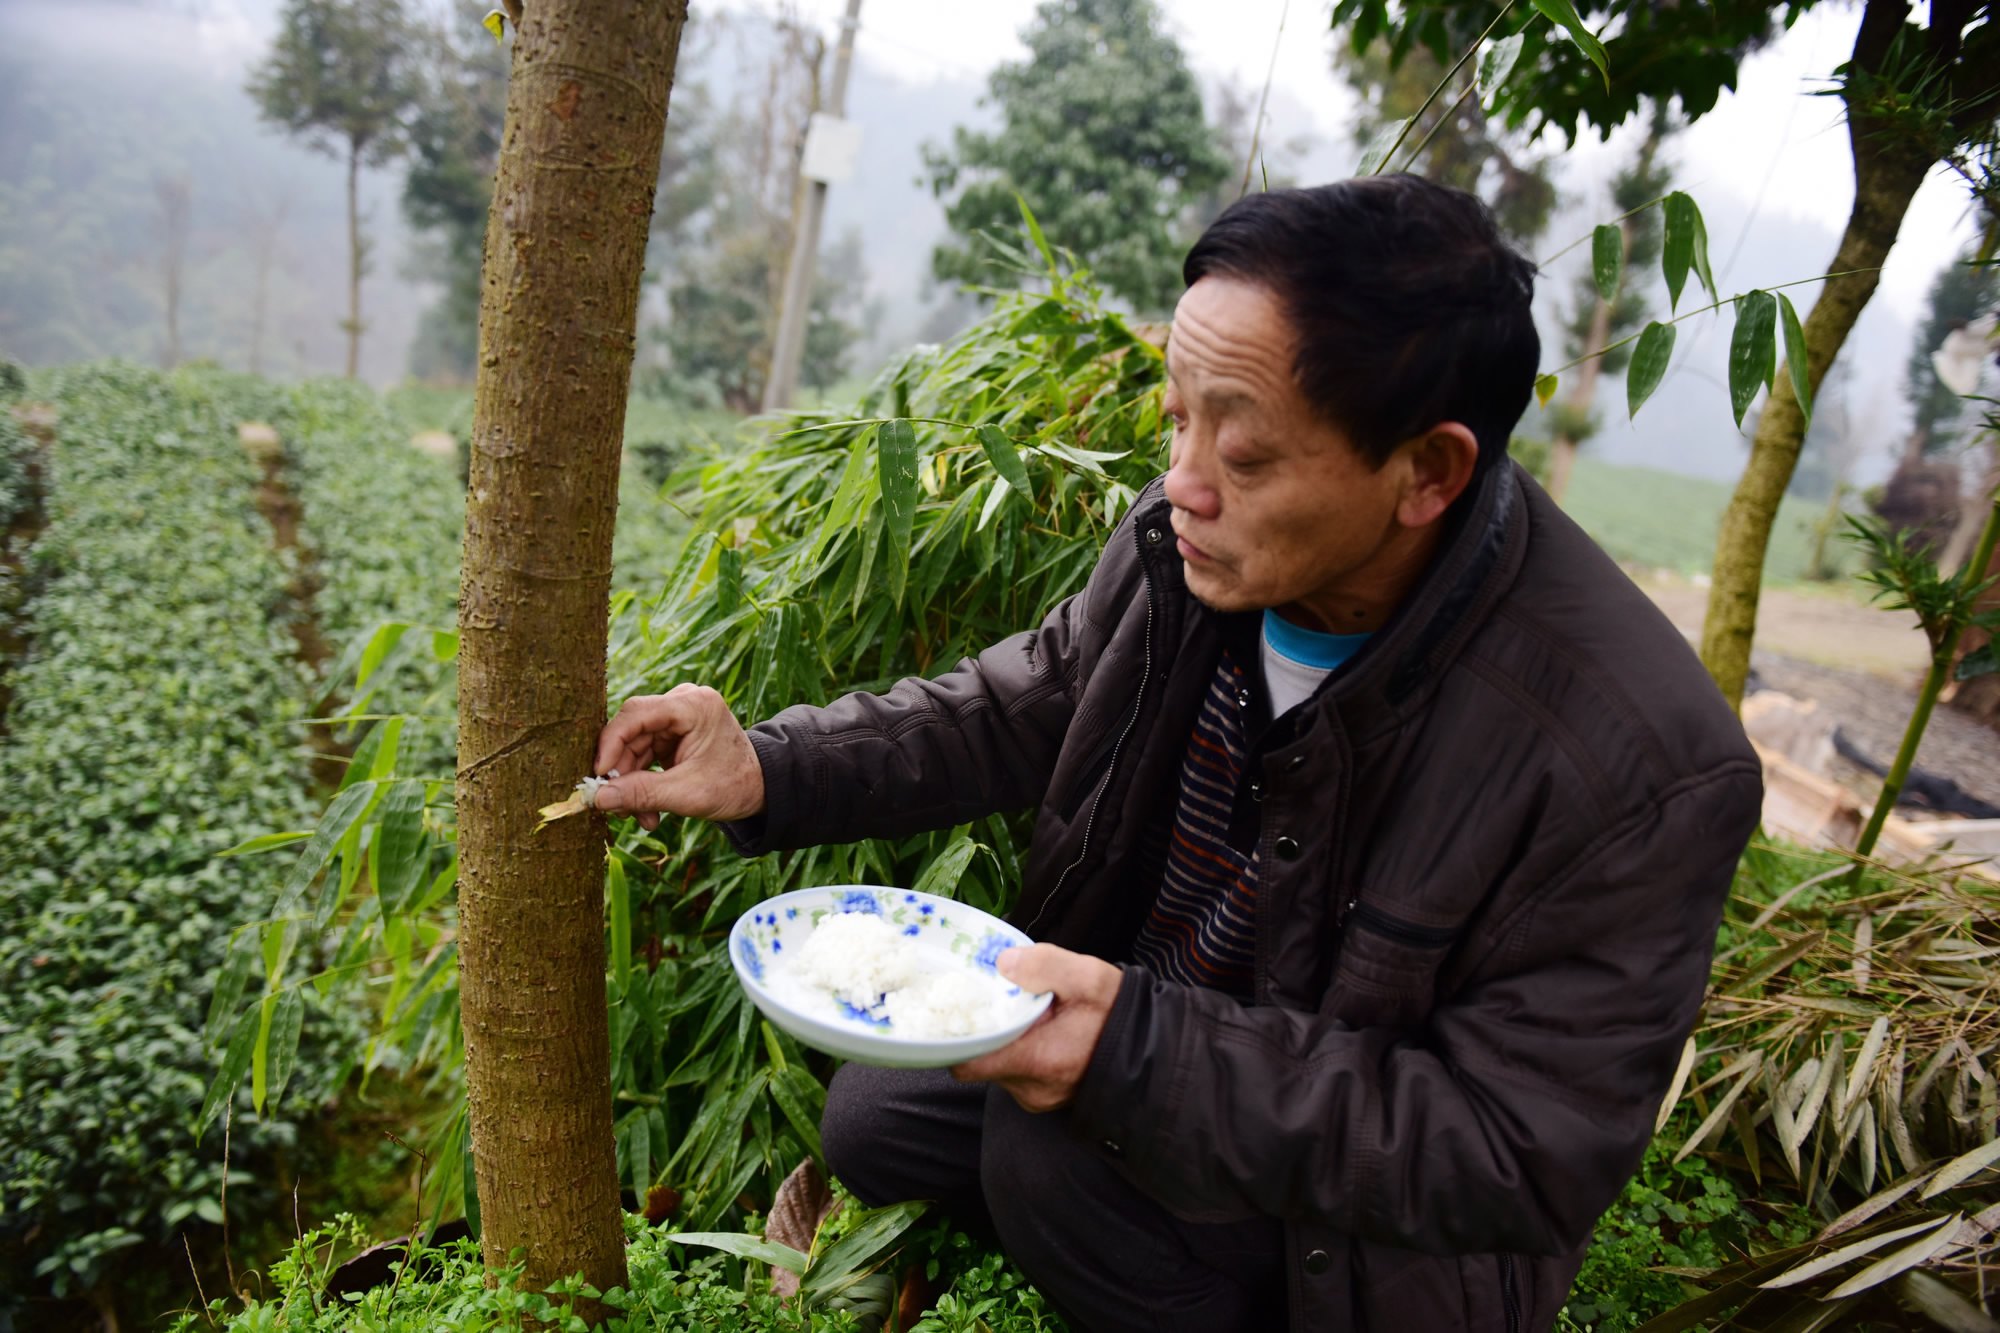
(710, 769)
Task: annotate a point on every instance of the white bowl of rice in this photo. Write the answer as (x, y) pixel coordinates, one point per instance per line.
(882, 976)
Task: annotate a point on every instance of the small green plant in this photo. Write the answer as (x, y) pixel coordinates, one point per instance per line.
(1908, 578)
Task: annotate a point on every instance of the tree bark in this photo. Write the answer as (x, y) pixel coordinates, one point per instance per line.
(1562, 452)
(565, 251)
(1887, 172)
(353, 323)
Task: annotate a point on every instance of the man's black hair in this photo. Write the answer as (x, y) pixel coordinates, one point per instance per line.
(1408, 305)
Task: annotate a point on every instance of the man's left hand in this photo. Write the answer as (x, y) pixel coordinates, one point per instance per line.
(1042, 1066)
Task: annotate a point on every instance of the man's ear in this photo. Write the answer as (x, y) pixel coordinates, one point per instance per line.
(1438, 466)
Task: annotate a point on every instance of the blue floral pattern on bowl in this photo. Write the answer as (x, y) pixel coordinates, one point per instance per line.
(867, 1034)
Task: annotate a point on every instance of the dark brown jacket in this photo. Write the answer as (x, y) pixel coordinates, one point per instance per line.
(1493, 856)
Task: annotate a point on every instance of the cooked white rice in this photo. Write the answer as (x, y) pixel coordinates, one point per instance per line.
(858, 967)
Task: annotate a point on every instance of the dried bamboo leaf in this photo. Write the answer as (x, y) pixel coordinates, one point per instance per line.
(1899, 1131)
(1777, 962)
(1674, 1090)
(1826, 1263)
(1870, 1148)
(1830, 1004)
(1872, 1205)
(1926, 1077)
(1943, 1304)
(1917, 1252)
(1815, 1098)
(1721, 1111)
(1979, 1225)
(1864, 1064)
(1746, 1134)
(1962, 1168)
(1864, 945)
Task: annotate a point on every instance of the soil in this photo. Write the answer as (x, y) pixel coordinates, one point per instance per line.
(1863, 665)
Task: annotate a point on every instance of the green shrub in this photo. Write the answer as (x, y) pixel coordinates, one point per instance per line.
(147, 732)
(672, 1289)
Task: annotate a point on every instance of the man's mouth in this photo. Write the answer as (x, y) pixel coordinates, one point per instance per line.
(1189, 551)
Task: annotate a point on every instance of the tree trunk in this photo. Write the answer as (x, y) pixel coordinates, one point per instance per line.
(353, 323)
(1562, 452)
(565, 251)
(1887, 172)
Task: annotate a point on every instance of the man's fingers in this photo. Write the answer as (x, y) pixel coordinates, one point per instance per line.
(1044, 967)
(647, 793)
(642, 729)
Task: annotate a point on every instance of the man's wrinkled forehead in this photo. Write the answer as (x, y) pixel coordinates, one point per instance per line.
(1229, 347)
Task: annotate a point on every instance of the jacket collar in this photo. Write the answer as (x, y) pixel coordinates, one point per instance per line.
(1474, 566)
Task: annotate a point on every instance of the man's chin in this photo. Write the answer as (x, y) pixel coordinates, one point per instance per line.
(1223, 596)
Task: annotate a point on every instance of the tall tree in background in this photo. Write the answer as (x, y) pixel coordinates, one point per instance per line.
(1914, 96)
(1600, 317)
(454, 146)
(1102, 133)
(340, 75)
(1455, 142)
(565, 252)
(175, 194)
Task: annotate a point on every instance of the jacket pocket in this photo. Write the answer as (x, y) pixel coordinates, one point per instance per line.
(1387, 967)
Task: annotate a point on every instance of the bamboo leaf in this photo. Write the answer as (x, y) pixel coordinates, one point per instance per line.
(1943, 1304)
(1497, 62)
(1607, 257)
(1777, 963)
(1864, 1064)
(863, 1246)
(399, 845)
(1961, 1169)
(1917, 1252)
(286, 1024)
(896, 445)
(1563, 14)
(1677, 248)
(1871, 1206)
(746, 1247)
(1674, 1089)
(266, 842)
(1797, 363)
(619, 907)
(1545, 389)
(994, 498)
(1752, 351)
(229, 987)
(1648, 365)
(260, 1058)
(1752, 1065)
(942, 875)
(1376, 155)
(380, 644)
(1826, 1263)
(340, 816)
(1005, 458)
(242, 1042)
(728, 581)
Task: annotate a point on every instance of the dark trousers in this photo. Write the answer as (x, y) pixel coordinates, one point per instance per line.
(1108, 1256)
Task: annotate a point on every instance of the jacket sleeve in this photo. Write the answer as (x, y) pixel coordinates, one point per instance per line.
(1508, 1123)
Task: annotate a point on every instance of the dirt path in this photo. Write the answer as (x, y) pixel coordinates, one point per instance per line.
(1862, 664)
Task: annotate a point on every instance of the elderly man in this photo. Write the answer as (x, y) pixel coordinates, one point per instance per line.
(1383, 826)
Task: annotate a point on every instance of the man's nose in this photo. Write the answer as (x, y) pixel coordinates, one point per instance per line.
(1186, 488)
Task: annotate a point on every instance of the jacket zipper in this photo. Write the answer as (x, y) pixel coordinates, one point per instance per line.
(1510, 1294)
(1131, 720)
(1369, 917)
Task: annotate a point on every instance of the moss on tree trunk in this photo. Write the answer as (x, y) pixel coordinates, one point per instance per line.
(565, 248)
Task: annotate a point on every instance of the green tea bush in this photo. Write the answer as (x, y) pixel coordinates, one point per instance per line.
(672, 1290)
(148, 731)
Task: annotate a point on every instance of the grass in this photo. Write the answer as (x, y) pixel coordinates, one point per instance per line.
(1663, 520)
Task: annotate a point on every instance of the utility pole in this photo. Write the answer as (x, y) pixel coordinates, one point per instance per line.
(789, 347)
